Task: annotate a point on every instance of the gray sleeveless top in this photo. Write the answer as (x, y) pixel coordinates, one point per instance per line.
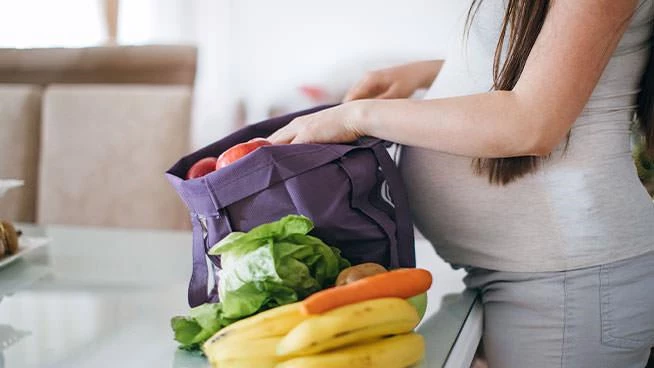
(584, 207)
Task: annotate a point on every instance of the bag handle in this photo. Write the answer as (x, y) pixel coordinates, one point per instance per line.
(198, 292)
(360, 200)
(197, 287)
(404, 255)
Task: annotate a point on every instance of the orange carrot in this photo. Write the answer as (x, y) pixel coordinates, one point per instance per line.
(402, 283)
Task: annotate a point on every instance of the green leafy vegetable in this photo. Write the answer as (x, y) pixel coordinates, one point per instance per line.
(238, 242)
(271, 265)
(203, 321)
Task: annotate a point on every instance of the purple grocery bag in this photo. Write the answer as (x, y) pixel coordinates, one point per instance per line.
(338, 186)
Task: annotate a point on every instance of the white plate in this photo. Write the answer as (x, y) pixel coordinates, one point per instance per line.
(27, 244)
(6, 184)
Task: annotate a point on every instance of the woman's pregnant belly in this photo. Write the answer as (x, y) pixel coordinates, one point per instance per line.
(568, 214)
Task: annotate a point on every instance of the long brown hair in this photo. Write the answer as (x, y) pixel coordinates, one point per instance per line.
(646, 101)
(521, 26)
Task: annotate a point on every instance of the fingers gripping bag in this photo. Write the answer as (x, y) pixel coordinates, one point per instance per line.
(341, 188)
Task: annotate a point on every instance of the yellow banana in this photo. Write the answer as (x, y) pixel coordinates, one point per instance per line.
(263, 348)
(247, 363)
(273, 322)
(399, 351)
(349, 324)
(363, 335)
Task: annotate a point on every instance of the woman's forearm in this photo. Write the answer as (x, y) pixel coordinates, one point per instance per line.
(484, 125)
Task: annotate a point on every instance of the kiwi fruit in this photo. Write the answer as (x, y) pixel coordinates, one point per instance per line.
(358, 272)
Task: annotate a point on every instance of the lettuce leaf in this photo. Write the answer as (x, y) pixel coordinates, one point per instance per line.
(239, 243)
(202, 323)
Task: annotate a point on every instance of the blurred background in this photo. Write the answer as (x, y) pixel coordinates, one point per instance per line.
(253, 56)
(98, 98)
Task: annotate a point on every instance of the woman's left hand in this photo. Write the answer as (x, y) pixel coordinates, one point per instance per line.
(334, 125)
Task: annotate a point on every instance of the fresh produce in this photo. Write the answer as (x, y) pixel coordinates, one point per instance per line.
(267, 362)
(261, 334)
(257, 349)
(284, 336)
(419, 302)
(271, 265)
(358, 272)
(401, 283)
(239, 151)
(361, 271)
(399, 351)
(211, 164)
(202, 322)
(342, 336)
(350, 324)
(202, 168)
(263, 322)
(273, 322)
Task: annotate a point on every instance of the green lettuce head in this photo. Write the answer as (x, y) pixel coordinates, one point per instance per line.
(273, 264)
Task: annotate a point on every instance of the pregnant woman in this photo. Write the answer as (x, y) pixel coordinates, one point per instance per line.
(518, 166)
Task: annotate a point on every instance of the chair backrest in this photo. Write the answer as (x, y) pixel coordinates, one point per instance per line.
(103, 151)
(20, 110)
(105, 121)
(147, 64)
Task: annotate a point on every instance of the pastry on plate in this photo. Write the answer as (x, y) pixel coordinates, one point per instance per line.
(8, 238)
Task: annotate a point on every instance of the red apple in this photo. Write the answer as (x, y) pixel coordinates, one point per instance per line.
(239, 151)
(202, 168)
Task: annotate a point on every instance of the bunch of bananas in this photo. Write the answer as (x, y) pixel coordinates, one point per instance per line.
(372, 333)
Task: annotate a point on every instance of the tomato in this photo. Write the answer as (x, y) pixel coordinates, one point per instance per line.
(239, 151)
(202, 168)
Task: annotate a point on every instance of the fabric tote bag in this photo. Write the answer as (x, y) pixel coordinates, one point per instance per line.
(352, 192)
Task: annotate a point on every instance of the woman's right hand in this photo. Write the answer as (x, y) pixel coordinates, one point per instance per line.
(396, 82)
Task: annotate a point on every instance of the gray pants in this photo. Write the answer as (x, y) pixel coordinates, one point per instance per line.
(594, 317)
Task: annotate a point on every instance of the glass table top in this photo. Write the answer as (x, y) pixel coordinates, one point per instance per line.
(99, 297)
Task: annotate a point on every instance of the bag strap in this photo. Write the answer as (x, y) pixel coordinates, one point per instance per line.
(404, 255)
(198, 292)
(197, 287)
